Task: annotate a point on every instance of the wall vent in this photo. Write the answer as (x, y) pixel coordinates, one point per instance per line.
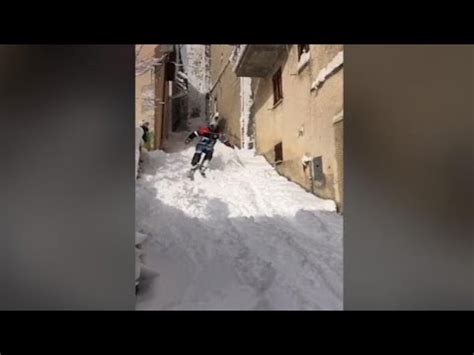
(318, 174)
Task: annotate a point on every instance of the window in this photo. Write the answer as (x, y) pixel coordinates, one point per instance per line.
(278, 153)
(303, 56)
(277, 87)
(302, 48)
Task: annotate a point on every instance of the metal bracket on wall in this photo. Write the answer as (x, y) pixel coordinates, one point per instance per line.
(318, 175)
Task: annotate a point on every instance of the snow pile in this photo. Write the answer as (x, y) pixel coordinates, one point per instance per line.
(139, 239)
(334, 64)
(244, 237)
(240, 199)
(142, 271)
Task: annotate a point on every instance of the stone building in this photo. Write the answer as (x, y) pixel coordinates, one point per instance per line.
(286, 101)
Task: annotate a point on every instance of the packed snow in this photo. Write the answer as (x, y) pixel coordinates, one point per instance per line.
(243, 237)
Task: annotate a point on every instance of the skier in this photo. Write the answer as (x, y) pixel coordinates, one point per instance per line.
(208, 136)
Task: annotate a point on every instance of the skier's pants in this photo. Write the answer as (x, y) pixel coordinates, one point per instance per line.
(199, 151)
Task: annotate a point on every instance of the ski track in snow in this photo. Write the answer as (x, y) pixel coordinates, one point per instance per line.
(244, 237)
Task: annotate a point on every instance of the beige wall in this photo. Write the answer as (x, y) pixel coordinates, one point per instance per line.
(227, 90)
(339, 136)
(142, 83)
(303, 121)
(163, 104)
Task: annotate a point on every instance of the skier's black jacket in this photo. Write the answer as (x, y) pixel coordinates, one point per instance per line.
(209, 137)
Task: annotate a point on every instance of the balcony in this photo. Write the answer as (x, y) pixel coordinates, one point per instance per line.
(258, 60)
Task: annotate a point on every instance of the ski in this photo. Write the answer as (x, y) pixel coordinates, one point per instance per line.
(202, 171)
(191, 173)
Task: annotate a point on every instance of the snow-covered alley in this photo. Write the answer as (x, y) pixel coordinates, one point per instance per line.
(243, 238)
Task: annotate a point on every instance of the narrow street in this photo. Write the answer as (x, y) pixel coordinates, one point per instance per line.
(244, 237)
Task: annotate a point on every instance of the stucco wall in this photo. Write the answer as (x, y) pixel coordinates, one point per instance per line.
(144, 83)
(227, 91)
